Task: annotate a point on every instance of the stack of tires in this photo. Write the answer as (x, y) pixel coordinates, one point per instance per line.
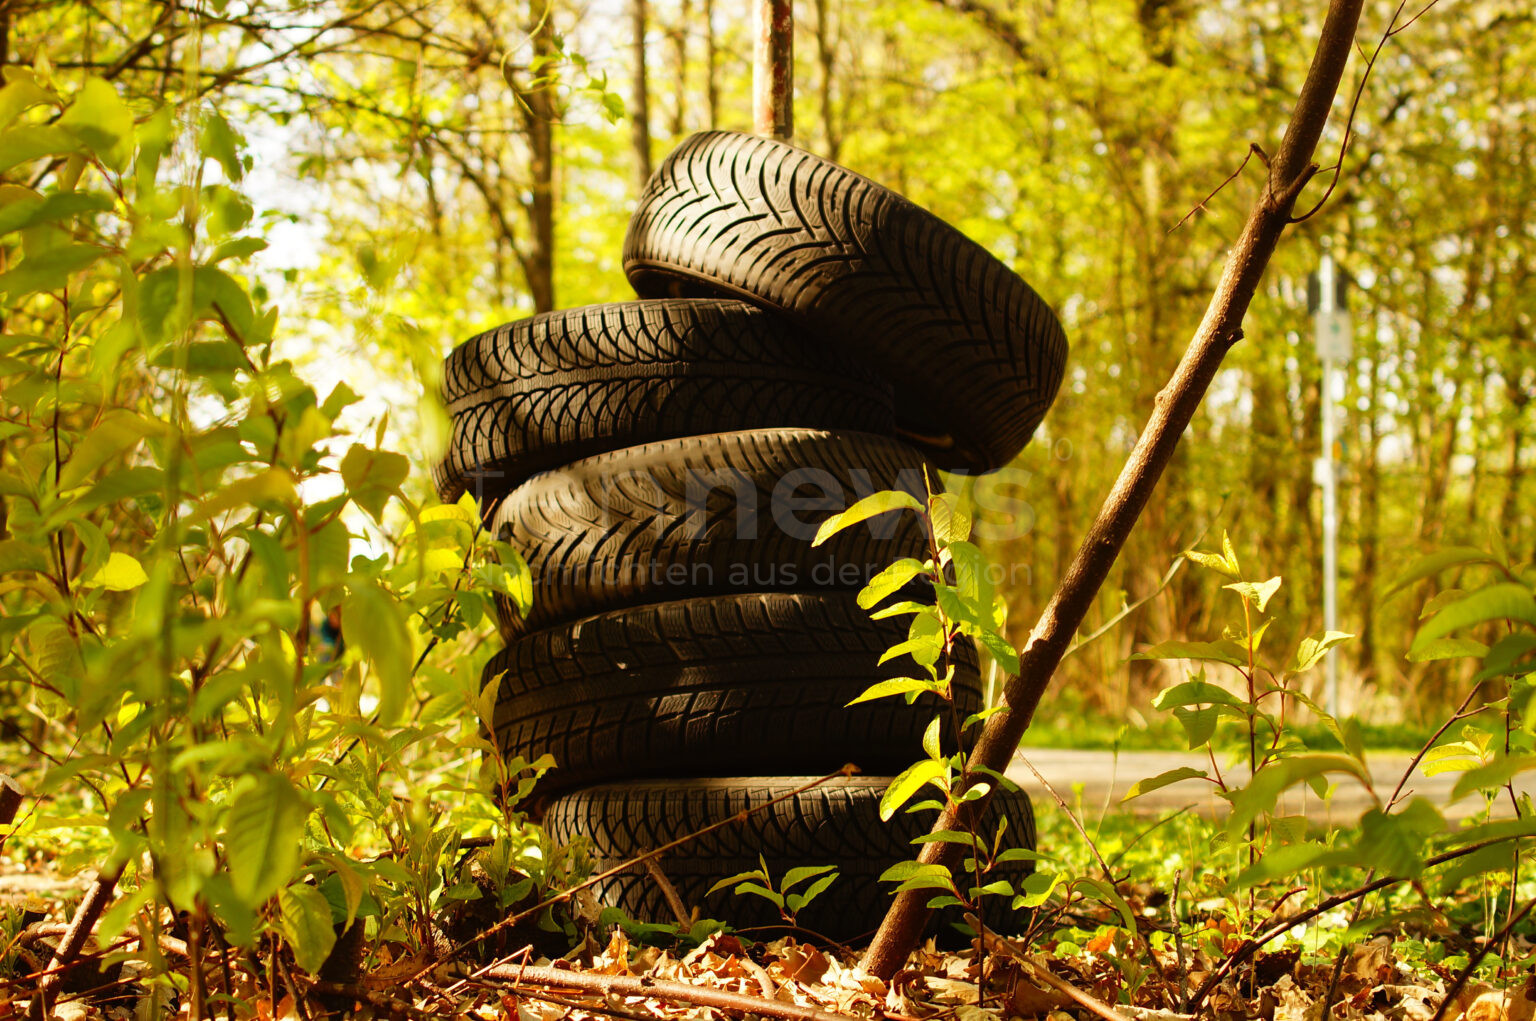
(804, 337)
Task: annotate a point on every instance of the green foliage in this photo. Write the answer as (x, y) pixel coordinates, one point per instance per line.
(185, 522)
(783, 894)
(964, 606)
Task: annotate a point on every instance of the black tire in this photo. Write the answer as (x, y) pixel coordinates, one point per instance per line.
(976, 354)
(720, 686)
(705, 515)
(565, 385)
(837, 823)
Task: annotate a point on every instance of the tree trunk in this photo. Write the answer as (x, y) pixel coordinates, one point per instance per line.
(711, 65)
(539, 112)
(1288, 174)
(640, 115)
(826, 53)
(679, 39)
(1368, 530)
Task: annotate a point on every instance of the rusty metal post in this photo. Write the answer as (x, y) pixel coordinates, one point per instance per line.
(773, 68)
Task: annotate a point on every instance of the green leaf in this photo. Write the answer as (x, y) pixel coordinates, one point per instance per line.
(895, 686)
(795, 876)
(889, 581)
(740, 877)
(1037, 889)
(1224, 651)
(117, 432)
(1505, 601)
(306, 923)
(32, 142)
(1110, 897)
(951, 517)
(21, 208)
(1213, 561)
(20, 94)
(218, 141)
(1492, 775)
(1000, 649)
(373, 476)
(945, 837)
(120, 573)
(1263, 792)
(1162, 780)
(796, 901)
(1434, 563)
(1448, 648)
(103, 122)
(16, 555)
(1313, 648)
(1394, 845)
(875, 503)
(239, 249)
(263, 835)
(909, 783)
(1454, 757)
(1194, 692)
(932, 736)
(49, 270)
(374, 623)
(1258, 593)
(1506, 655)
(907, 871)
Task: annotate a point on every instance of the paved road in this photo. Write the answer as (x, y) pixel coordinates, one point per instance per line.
(1099, 780)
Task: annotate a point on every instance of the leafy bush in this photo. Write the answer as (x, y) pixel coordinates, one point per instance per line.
(248, 657)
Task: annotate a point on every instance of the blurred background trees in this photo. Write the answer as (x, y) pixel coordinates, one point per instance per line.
(431, 168)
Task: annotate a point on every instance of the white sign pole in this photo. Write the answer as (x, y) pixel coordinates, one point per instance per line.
(1332, 345)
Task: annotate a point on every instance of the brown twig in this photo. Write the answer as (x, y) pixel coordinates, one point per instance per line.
(73, 940)
(658, 989)
(1042, 974)
(1290, 169)
(1253, 150)
(669, 893)
(1477, 958)
(1393, 28)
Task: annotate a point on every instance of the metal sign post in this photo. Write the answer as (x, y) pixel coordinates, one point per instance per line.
(1333, 346)
(773, 68)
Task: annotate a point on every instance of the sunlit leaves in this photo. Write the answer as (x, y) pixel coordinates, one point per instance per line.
(120, 573)
(876, 503)
(306, 922)
(102, 122)
(262, 835)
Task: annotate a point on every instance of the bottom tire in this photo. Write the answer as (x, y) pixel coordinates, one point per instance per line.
(837, 823)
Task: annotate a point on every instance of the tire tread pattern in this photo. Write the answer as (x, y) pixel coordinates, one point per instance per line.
(552, 388)
(975, 353)
(837, 823)
(632, 526)
(724, 686)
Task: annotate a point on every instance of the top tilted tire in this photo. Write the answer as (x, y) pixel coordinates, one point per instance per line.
(976, 355)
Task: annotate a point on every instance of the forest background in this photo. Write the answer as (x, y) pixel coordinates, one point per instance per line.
(424, 170)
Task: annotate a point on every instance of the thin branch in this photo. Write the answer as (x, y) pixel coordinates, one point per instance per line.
(536, 976)
(1349, 125)
(1253, 150)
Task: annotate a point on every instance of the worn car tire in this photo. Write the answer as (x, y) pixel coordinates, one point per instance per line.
(976, 355)
(705, 515)
(565, 385)
(718, 686)
(837, 823)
